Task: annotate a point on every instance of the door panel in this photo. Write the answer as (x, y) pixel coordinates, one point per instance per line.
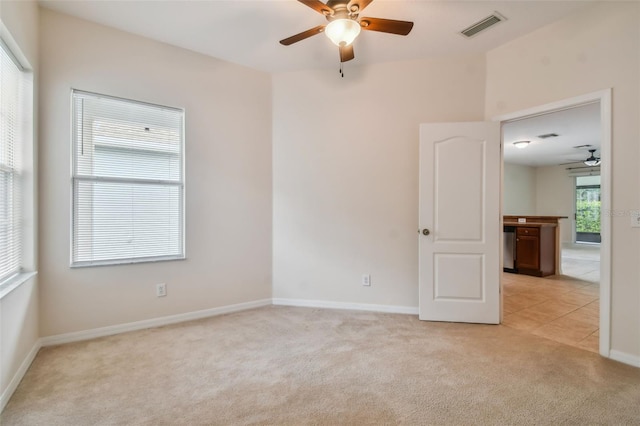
(459, 277)
(459, 205)
(454, 196)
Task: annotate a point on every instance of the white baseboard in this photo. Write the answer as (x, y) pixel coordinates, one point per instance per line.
(625, 358)
(345, 305)
(17, 378)
(150, 323)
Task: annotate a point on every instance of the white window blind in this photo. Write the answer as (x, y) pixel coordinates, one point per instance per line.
(128, 185)
(12, 122)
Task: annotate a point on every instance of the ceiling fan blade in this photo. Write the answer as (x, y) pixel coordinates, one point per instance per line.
(386, 25)
(346, 53)
(318, 6)
(305, 34)
(359, 4)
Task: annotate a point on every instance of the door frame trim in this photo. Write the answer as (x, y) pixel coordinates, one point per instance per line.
(604, 97)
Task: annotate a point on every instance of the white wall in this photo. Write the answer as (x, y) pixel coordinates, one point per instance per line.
(19, 309)
(544, 191)
(595, 49)
(518, 190)
(228, 177)
(555, 196)
(345, 158)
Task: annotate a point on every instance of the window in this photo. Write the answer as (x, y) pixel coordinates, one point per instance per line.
(588, 209)
(14, 121)
(128, 181)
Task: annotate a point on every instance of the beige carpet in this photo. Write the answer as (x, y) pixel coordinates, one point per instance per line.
(281, 365)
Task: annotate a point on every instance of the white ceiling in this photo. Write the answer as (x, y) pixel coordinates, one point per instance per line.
(247, 32)
(575, 127)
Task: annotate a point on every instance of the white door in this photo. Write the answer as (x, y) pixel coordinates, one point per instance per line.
(460, 222)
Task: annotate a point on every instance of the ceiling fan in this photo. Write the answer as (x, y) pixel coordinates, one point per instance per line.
(592, 160)
(345, 24)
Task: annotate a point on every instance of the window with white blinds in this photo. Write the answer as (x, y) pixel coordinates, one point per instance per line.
(12, 129)
(128, 181)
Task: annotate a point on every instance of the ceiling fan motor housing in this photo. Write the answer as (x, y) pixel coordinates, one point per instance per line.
(341, 10)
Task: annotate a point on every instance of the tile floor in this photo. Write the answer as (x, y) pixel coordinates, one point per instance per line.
(564, 308)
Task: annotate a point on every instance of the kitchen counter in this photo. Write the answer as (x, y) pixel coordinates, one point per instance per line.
(534, 219)
(536, 252)
(531, 224)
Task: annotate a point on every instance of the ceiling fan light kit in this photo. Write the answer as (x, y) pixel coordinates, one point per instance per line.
(345, 25)
(342, 32)
(592, 161)
(521, 144)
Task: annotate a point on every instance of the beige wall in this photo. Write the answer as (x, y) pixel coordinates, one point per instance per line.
(228, 177)
(545, 191)
(555, 196)
(19, 309)
(518, 190)
(345, 156)
(595, 49)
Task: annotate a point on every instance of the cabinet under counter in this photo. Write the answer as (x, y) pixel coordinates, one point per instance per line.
(535, 248)
(546, 244)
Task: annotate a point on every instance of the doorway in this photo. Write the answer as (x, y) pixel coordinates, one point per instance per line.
(546, 306)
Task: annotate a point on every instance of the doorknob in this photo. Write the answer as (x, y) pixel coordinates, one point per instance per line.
(425, 231)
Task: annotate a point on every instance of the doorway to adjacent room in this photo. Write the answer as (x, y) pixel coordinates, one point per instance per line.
(570, 307)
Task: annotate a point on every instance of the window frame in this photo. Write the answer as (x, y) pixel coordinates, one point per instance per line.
(77, 177)
(25, 173)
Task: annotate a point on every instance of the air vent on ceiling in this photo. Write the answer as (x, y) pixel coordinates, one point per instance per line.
(482, 25)
(548, 135)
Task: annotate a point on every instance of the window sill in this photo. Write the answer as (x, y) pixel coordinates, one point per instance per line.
(14, 282)
(88, 264)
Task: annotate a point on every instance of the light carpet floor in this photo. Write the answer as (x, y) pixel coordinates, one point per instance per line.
(296, 366)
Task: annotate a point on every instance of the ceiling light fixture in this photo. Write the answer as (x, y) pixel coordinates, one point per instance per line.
(342, 32)
(521, 144)
(592, 160)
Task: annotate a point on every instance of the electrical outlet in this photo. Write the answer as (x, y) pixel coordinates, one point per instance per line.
(161, 290)
(366, 280)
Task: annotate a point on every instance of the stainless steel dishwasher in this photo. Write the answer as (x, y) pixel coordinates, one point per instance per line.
(509, 249)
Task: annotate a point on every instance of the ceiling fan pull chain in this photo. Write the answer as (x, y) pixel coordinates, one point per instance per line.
(340, 71)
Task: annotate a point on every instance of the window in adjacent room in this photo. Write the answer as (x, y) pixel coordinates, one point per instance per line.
(588, 209)
(16, 191)
(128, 181)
